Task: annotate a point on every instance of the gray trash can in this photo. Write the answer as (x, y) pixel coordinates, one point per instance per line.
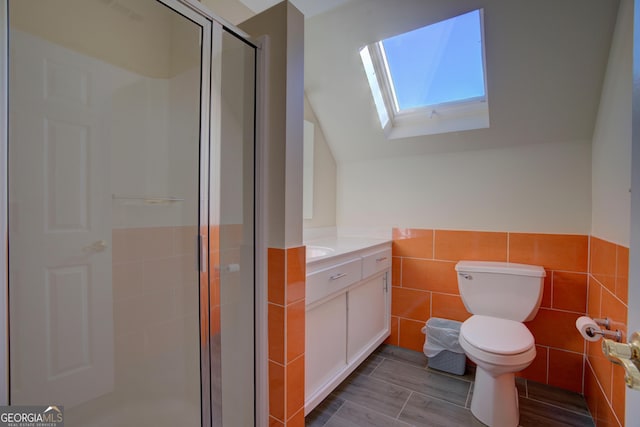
(441, 345)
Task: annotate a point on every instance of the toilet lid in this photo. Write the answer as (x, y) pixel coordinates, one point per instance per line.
(497, 335)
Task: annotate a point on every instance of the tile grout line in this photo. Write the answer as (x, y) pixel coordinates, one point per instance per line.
(377, 366)
(547, 367)
(601, 391)
(584, 414)
(407, 363)
(335, 413)
(411, 391)
(612, 294)
(359, 405)
(433, 249)
(585, 357)
(425, 394)
(397, 417)
(560, 310)
(439, 399)
(552, 283)
(430, 304)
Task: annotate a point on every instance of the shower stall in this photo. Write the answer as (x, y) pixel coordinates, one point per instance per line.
(130, 201)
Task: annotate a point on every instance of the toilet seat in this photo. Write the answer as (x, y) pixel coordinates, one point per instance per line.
(497, 335)
(497, 341)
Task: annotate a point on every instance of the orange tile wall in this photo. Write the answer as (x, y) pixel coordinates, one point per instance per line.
(608, 284)
(425, 285)
(286, 317)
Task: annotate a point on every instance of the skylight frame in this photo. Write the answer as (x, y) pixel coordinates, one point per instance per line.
(387, 78)
(457, 115)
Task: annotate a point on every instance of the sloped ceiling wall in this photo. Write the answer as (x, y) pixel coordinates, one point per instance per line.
(545, 66)
(236, 11)
(307, 7)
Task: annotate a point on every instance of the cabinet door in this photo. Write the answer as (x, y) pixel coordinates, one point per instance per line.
(367, 315)
(326, 343)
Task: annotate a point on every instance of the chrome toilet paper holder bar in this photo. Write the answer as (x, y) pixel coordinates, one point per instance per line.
(606, 322)
(615, 335)
(606, 333)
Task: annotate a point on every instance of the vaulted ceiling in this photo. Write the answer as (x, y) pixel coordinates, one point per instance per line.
(308, 7)
(546, 61)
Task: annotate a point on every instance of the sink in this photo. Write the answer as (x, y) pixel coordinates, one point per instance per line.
(318, 251)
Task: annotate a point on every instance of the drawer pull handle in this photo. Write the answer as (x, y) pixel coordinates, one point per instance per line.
(384, 258)
(337, 276)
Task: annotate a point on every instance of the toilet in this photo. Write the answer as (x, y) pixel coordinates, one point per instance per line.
(500, 296)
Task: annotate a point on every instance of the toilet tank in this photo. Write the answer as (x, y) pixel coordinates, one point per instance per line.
(501, 289)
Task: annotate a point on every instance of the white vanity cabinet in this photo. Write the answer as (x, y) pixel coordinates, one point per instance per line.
(326, 342)
(348, 316)
(366, 316)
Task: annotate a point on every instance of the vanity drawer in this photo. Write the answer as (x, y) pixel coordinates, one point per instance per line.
(376, 262)
(325, 282)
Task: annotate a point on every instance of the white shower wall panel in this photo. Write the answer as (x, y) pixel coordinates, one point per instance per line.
(154, 121)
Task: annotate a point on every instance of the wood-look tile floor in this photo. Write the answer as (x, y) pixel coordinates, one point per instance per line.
(394, 387)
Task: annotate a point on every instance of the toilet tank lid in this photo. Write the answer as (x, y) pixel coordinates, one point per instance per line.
(500, 268)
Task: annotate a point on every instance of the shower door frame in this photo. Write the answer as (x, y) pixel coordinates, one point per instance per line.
(4, 192)
(212, 26)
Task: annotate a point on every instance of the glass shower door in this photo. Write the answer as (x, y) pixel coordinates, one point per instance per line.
(235, 213)
(108, 180)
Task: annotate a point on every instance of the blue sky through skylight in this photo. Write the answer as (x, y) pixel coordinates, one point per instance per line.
(438, 63)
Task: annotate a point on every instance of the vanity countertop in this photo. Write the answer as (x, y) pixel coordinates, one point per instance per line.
(329, 247)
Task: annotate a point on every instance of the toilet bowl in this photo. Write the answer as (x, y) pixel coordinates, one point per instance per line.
(500, 296)
(499, 348)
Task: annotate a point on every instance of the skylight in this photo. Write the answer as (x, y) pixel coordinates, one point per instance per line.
(432, 79)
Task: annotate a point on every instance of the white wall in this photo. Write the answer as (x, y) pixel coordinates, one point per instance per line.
(531, 171)
(284, 95)
(611, 178)
(542, 188)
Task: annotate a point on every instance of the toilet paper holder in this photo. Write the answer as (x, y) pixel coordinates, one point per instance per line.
(606, 333)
